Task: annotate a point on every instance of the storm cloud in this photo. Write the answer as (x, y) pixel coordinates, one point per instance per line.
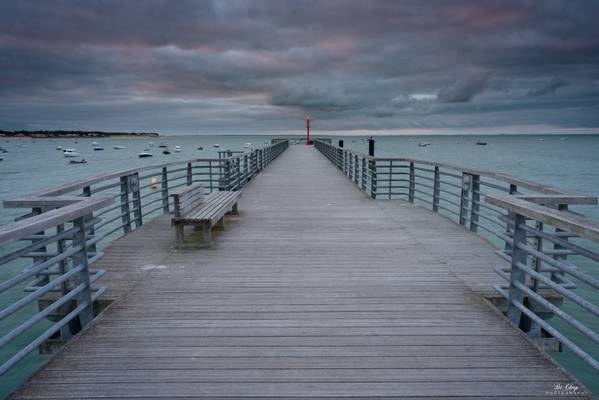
(262, 66)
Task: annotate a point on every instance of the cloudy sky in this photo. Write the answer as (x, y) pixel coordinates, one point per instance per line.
(202, 67)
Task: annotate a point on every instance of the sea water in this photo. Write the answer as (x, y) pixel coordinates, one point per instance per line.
(570, 162)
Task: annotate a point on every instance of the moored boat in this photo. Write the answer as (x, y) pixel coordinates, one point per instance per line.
(70, 153)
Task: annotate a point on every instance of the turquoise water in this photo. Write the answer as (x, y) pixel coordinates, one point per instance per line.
(570, 164)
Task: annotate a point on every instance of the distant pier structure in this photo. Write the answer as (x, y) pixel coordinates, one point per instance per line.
(300, 272)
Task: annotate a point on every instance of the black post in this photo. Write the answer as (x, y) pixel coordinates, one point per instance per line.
(341, 143)
(371, 146)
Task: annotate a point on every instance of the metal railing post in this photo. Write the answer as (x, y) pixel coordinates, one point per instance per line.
(43, 249)
(87, 192)
(239, 183)
(356, 169)
(227, 174)
(189, 174)
(474, 209)
(164, 186)
(373, 178)
(466, 183)
(80, 259)
(557, 276)
(508, 230)
(519, 256)
(364, 174)
(135, 190)
(436, 189)
(412, 183)
(125, 210)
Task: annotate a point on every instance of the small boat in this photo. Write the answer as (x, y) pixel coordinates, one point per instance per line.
(151, 144)
(216, 145)
(162, 145)
(481, 143)
(166, 151)
(118, 147)
(562, 139)
(145, 154)
(200, 148)
(1, 159)
(58, 148)
(70, 153)
(247, 145)
(177, 149)
(98, 148)
(82, 161)
(424, 144)
(94, 143)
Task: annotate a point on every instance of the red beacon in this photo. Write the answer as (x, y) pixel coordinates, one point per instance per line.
(308, 141)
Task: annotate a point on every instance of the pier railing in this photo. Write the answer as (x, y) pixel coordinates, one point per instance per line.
(46, 281)
(552, 252)
(531, 224)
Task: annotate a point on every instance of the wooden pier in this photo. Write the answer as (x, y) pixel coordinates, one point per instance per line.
(314, 291)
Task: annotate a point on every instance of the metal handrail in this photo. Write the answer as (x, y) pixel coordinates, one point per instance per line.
(529, 268)
(51, 248)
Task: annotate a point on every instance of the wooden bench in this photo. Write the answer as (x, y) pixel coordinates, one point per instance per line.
(201, 211)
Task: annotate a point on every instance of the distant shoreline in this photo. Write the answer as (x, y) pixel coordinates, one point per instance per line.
(72, 134)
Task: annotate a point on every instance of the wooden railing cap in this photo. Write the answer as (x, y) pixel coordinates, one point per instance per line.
(52, 218)
(572, 223)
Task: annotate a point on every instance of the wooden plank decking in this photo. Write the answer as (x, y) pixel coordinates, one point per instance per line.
(314, 291)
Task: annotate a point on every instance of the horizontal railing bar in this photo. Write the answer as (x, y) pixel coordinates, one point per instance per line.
(442, 182)
(559, 312)
(37, 268)
(66, 234)
(561, 264)
(449, 193)
(160, 207)
(416, 183)
(10, 336)
(552, 331)
(105, 187)
(22, 302)
(450, 202)
(586, 305)
(554, 237)
(42, 338)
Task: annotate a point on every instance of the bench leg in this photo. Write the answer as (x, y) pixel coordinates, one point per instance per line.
(235, 210)
(206, 236)
(221, 224)
(179, 234)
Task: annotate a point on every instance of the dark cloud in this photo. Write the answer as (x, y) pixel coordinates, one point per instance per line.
(240, 66)
(548, 88)
(464, 89)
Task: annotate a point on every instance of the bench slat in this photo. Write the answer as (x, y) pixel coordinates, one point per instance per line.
(215, 205)
(187, 198)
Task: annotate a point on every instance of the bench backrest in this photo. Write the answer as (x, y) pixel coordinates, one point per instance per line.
(188, 198)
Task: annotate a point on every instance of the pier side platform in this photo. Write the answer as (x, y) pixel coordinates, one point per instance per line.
(314, 291)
